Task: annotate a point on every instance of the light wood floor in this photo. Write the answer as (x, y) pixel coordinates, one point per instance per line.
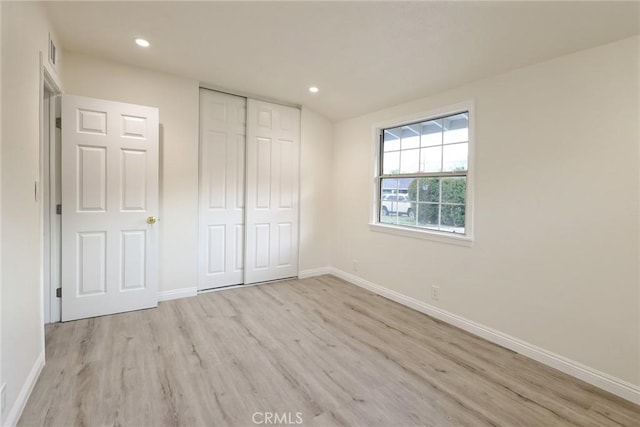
(335, 353)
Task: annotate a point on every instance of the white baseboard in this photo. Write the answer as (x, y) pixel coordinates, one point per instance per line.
(621, 388)
(23, 396)
(177, 293)
(305, 274)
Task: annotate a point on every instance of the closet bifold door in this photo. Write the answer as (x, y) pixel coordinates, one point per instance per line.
(272, 192)
(221, 192)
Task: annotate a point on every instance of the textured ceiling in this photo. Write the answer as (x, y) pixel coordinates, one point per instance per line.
(362, 55)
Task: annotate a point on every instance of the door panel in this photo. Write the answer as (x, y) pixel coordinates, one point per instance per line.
(134, 261)
(92, 179)
(263, 173)
(134, 180)
(222, 165)
(216, 166)
(109, 164)
(284, 244)
(288, 181)
(273, 147)
(92, 263)
(261, 247)
(216, 248)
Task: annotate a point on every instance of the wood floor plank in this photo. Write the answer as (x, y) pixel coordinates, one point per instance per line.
(333, 353)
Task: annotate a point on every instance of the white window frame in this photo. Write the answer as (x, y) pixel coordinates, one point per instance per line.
(421, 233)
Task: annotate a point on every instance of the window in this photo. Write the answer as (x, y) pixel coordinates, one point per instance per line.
(423, 179)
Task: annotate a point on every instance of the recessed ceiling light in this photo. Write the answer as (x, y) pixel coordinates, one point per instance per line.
(142, 43)
(313, 89)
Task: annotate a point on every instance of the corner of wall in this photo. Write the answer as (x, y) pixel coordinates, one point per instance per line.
(315, 190)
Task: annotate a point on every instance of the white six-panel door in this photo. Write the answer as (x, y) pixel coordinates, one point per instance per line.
(109, 191)
(272, 192)
(222, 170)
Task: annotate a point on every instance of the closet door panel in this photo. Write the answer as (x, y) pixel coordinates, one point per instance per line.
(272, 177)
(222, 174)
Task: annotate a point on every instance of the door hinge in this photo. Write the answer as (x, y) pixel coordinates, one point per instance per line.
(58, 292)
(58, 209)
(59, 122)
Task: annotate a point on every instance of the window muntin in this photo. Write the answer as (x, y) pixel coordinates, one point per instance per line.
(424, 168)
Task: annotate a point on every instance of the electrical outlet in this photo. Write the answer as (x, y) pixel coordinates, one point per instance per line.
(3, 397)
(435, 292)
(355, 265)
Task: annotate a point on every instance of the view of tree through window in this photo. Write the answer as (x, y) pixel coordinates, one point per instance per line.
(424, 174)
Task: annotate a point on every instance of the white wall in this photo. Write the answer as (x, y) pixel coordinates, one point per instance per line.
(315, 190)
(177, 99)
(25, 35)
(555, 260)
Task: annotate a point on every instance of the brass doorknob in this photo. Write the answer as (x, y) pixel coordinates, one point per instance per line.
(152, 220)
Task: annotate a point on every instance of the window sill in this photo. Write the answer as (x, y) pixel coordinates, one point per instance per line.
(423, 234)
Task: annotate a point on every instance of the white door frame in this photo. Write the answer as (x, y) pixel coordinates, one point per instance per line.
(49, 175)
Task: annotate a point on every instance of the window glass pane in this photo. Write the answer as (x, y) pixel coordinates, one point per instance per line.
(431, 159)
(456, 128)
(427, 215)
(410, 137)
(387, 217)
(410, 188)
(391, 139)
(395, 204)
(395, 186)
(453, 218)
(403, 187)
(407, 221)
(431, 133)
(389, 186)
(388, 201)
(454, 157)
(406, 214)
(391, 163)
(428, 189)
(409, 161)
(454, 189)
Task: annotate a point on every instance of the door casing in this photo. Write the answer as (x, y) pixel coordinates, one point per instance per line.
(48, 188)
